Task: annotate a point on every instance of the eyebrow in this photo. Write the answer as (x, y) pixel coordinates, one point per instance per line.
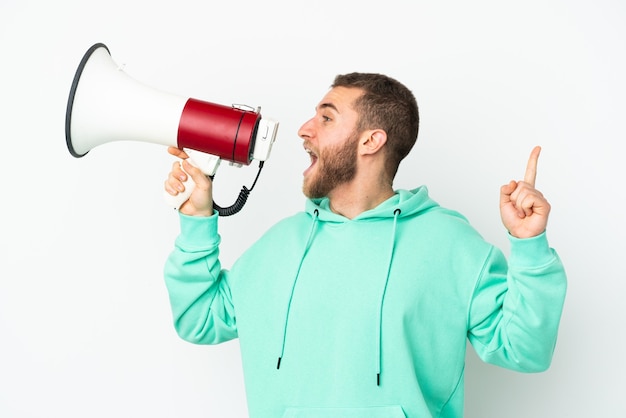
(328, 106)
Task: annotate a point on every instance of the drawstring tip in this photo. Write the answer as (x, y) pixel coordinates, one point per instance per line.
(278, 365)
(377, 379)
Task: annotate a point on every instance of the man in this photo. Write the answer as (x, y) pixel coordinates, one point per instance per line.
(361, 305)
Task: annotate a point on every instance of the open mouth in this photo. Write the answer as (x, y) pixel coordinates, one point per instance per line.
(313, 157)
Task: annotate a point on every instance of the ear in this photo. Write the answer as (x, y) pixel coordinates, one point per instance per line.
(372, 141)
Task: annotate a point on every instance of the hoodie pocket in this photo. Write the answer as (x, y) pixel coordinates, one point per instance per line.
(367, 412)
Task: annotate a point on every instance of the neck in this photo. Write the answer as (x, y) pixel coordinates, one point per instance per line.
(368, 189)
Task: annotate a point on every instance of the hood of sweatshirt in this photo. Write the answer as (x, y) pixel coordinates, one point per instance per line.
(403, 204)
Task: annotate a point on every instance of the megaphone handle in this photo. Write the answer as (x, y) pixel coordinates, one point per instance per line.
(208, 163)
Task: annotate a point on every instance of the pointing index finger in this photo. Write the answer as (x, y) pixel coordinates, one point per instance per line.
(531, 168)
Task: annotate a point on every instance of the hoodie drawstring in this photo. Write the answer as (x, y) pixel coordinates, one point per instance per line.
(379, 340)
(293, 286)
(396, 213)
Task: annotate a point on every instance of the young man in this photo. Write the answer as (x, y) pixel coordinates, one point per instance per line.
(361, 305)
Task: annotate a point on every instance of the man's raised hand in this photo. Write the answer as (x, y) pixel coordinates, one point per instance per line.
(523, 208)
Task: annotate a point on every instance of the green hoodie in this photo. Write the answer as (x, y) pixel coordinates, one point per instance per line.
(367, 317)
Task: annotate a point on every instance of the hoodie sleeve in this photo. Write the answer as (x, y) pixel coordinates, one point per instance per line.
(515, 311)
(198, 288)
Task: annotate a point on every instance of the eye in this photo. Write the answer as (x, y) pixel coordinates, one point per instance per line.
(326, 118)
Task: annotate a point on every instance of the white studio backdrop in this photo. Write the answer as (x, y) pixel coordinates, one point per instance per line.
(85, 326)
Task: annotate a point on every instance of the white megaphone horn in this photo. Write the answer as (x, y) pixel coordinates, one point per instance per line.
(107, 105)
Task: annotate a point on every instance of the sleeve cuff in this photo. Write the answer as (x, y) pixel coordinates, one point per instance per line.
(198, 231)
(530, 252)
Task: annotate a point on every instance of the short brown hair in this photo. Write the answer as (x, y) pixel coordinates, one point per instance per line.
(389, 105)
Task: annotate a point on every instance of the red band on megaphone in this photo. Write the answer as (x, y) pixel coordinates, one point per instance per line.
(218, 130)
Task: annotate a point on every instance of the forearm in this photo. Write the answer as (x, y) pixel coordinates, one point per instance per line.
(520, 333)
(198, 289)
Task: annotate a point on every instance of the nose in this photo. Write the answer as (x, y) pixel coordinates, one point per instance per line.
(305, 132)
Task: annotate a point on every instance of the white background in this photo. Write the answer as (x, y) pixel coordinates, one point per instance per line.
(85, 326)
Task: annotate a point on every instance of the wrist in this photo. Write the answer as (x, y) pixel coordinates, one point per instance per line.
(189, 210)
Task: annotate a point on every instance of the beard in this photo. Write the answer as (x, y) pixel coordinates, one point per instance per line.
(335, 166)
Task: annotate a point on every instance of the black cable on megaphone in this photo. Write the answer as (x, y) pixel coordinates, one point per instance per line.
(241, 199)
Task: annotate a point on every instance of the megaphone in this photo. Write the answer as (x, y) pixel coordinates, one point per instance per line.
(107, 105)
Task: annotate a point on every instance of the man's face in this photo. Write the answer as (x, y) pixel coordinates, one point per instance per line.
(331, 139)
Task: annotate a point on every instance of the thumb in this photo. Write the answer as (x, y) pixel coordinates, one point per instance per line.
(195, 173)
(507, 189)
